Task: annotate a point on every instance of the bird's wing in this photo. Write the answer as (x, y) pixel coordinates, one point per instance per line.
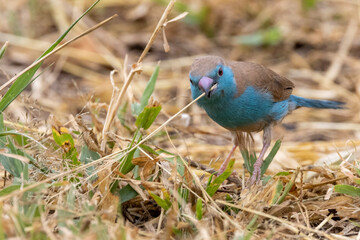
(261, 78)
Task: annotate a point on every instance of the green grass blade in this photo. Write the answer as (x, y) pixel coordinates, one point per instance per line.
(199, 209)
(19, 85)
(268, 37)
(214, 186)
(3, 49)
(347, 189)
(249, 159)
(147, 117)
(126, 162)
(251, 227)
(288, 187)
(161, 202)
(2, 232)
(149, 89)
(270, 157)
(7, 190)
(26, 78)
(13, 132)
(68, 30)
(278, 189)
(210, 180)
(14, 166)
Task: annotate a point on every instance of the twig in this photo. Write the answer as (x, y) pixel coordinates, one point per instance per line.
(134, 69)
(156, 31)
(56, 50)
(343, 51)
(291, 226)
(310, 186)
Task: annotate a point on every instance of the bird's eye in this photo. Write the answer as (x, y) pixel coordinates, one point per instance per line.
(220, 72)
(191, 81)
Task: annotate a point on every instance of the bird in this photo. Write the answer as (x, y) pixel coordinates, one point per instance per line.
(245, 97)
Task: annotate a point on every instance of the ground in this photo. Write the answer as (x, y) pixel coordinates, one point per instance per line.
(67, 170)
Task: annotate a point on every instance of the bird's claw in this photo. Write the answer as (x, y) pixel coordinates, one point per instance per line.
(256, 175)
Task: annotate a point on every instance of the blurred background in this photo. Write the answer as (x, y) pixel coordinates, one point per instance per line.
(315, 43)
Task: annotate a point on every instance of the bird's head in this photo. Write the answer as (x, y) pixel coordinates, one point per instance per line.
(211, 75)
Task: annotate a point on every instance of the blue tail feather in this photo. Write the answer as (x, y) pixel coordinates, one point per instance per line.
(313, 103)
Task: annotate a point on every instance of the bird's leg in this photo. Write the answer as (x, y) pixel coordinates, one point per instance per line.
(227, 160)
(255, 178)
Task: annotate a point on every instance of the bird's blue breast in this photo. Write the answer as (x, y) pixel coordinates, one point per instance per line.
(251, 107)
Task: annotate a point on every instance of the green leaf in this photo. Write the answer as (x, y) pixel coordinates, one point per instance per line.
(265, 179)
(199, 209)
(18, 86)
(62, 138)
(180, 167)
(70, 198)
(249, 160)
(252, 223)
(135, 108)
(210, 180)
(271, 36)
(308, 4)
(287, 189)
(127, 193)
(66, 141)
(282, 174)
(26, 78)
(149, 149)
(149, 89)
(278, 189)
(3, 49)
(251, 227)
(147, 117)
(161, 202)
(9, 189)
(2, 232)
(88, 156)
(126, 165)
(14, 132)
(348, 190)
(160, 150)
(2, 125)
(14, 187)
(126, 161)
(214, 186)
(14, 166)
(270, 157)
(184, 193)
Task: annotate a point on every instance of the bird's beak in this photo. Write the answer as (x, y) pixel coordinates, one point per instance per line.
(206, 85)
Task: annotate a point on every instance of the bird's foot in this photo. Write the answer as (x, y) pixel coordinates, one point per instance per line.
(256, 175)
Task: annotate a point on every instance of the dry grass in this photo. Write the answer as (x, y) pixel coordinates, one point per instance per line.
(317, 48)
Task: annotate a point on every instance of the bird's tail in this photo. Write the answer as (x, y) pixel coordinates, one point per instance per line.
(313, 103)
